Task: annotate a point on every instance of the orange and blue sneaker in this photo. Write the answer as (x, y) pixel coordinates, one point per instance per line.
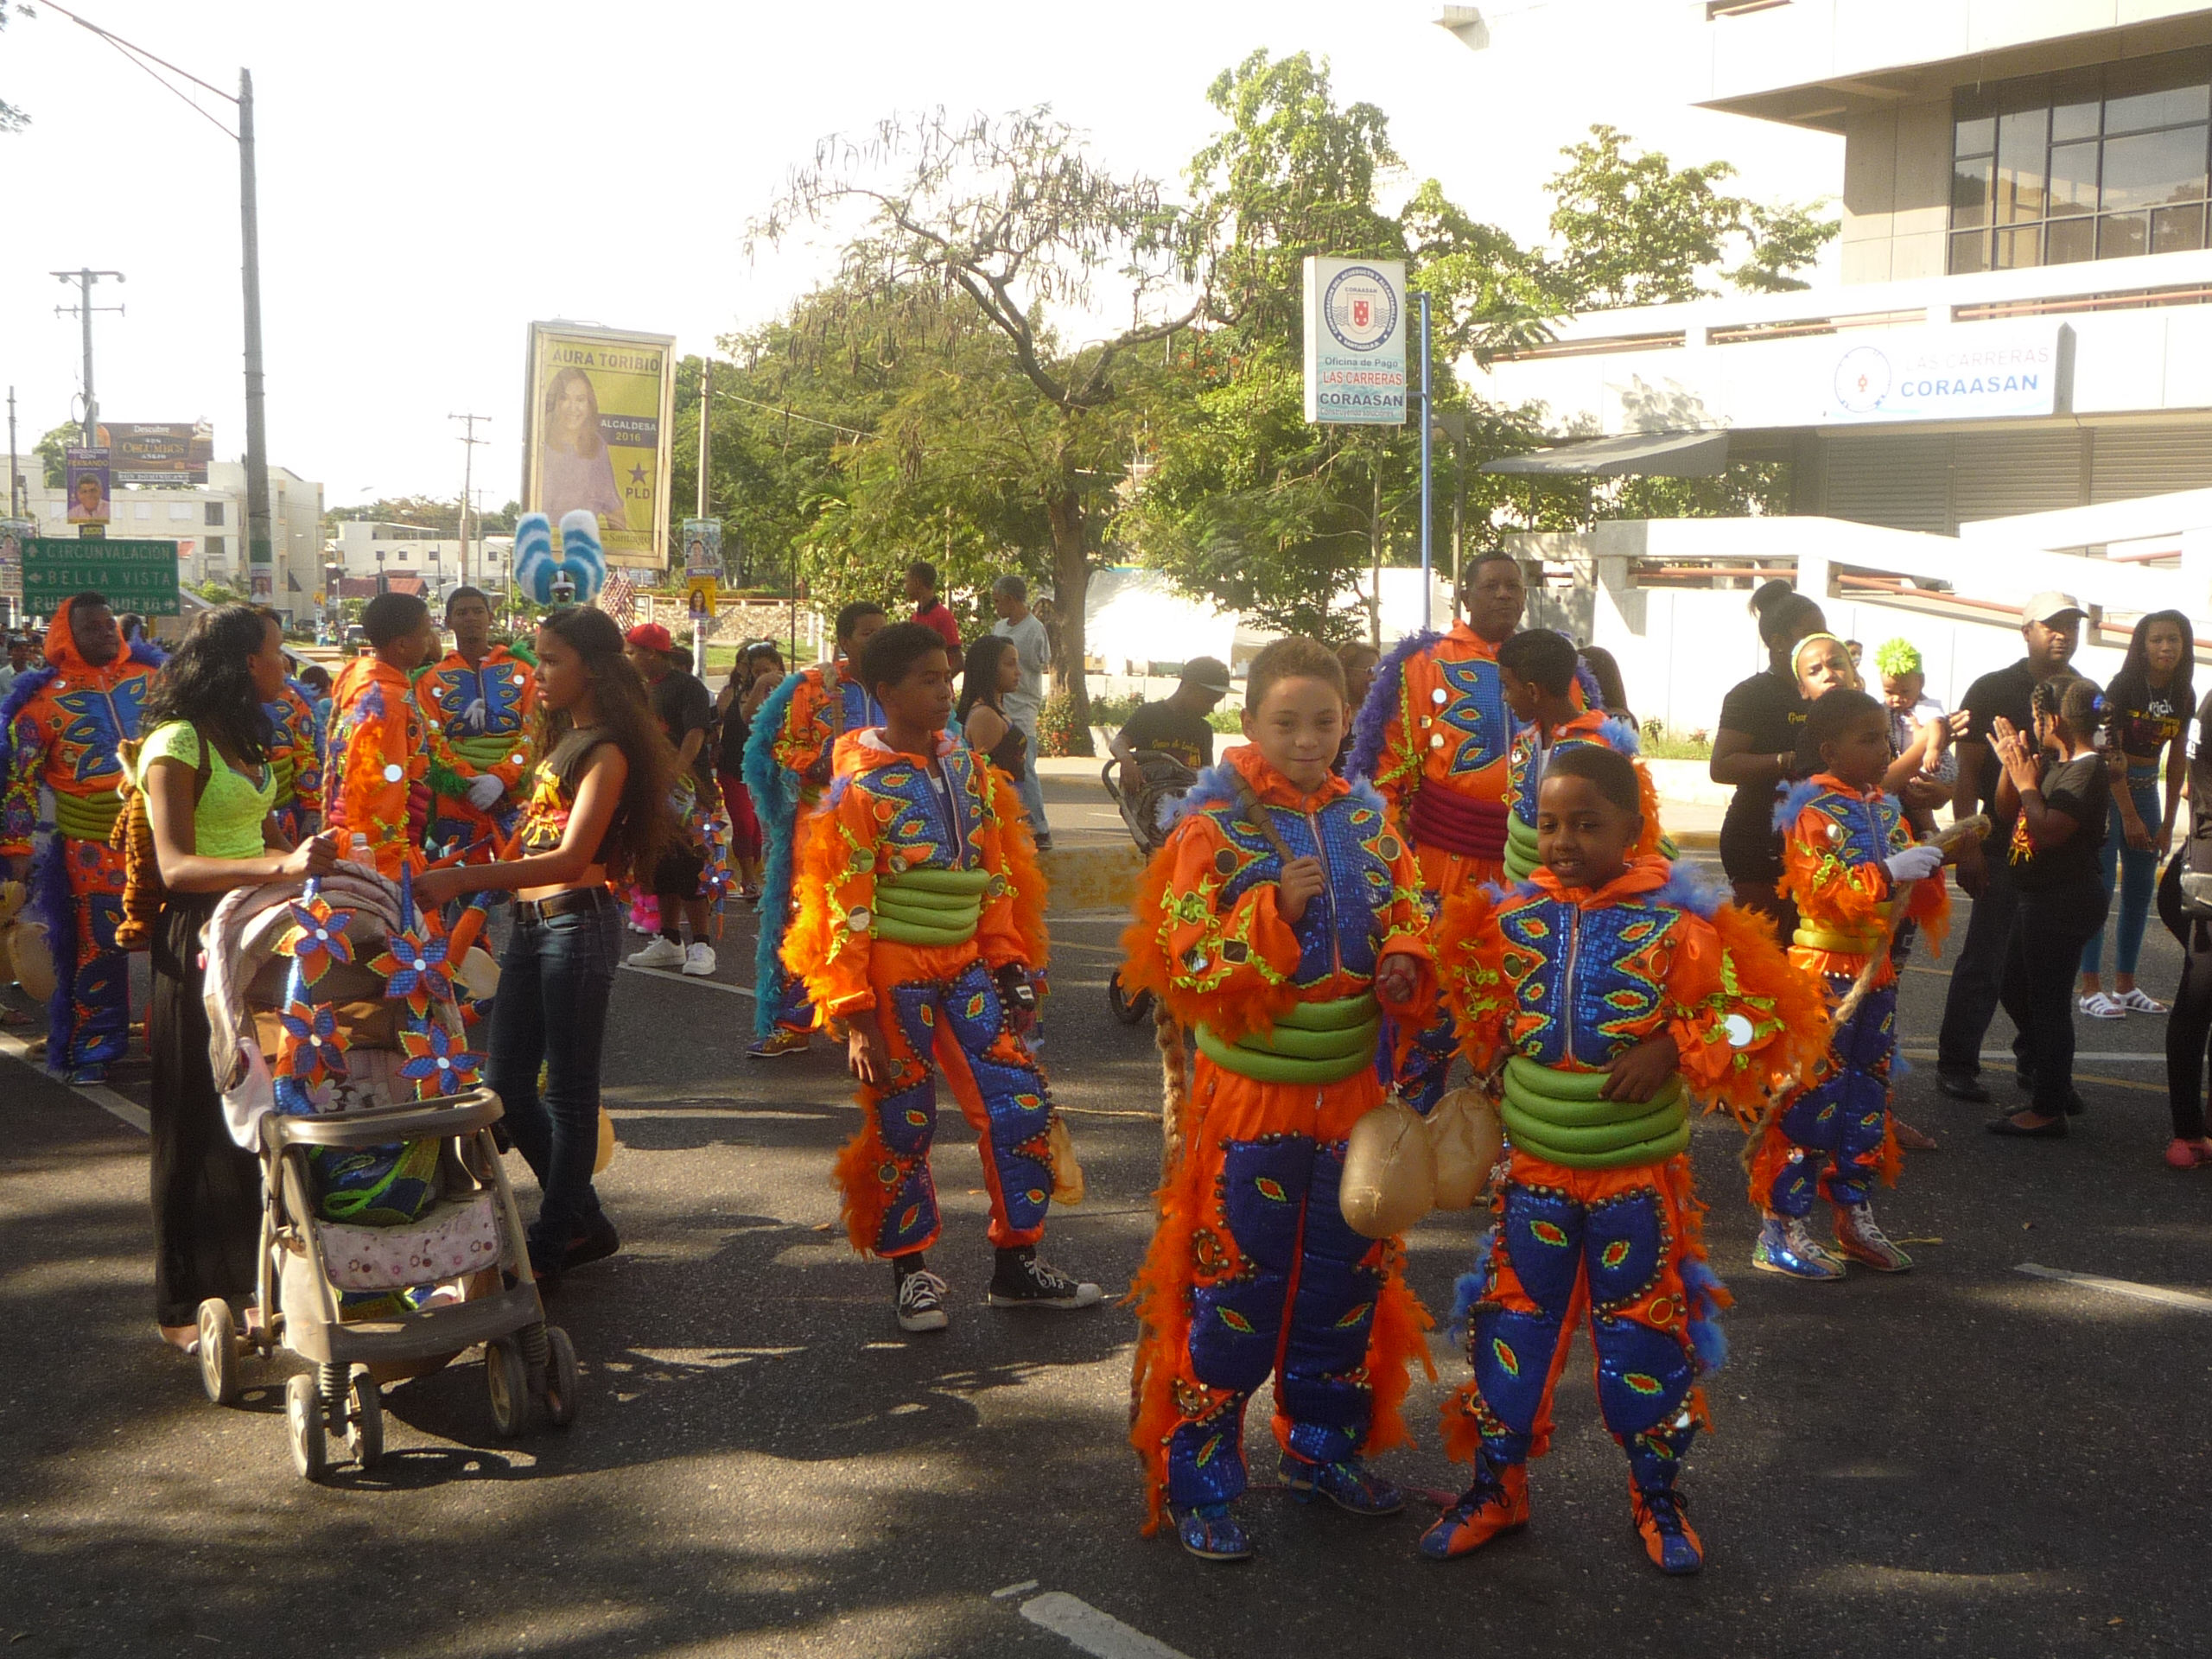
(1662, 1518)
(1348, 1484)
(1209, 1532)
(1496, 1504)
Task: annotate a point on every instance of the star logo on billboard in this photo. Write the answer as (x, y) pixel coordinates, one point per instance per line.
(637, 474)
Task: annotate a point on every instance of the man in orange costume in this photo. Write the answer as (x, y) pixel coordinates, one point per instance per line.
(376, 771)
(59, 727)
(1435, 737)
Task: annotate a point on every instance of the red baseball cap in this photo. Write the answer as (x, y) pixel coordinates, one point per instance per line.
(652, 636)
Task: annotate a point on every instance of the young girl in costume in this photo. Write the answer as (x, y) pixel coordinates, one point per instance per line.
(921, 928)
(1615, 991)
(1281, 918)
(597, 812)
(1848, 860)
(1539, 672)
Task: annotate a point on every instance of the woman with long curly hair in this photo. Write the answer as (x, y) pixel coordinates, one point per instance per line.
(597, 812)
(204, 767)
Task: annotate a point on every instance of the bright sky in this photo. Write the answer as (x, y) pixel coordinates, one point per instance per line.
(433, 176)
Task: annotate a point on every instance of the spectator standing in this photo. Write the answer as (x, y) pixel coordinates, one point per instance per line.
(1755, 749)
(994, 671)
(19, 662)
(2150, 698)
(931, 611)
(2050, 628)
(206, 772)
(1010, 598)
(1177, 725)
(686, 712)
(2190, 1032)
(758, 671)
(2057, 803)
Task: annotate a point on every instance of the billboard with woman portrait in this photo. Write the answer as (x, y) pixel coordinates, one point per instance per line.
(595, 429)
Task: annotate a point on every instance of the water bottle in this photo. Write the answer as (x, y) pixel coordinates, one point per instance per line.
(359, 853)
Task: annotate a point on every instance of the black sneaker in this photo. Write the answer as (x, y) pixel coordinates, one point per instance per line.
(596, 1242)
(920, 1301)
(1022, 1281)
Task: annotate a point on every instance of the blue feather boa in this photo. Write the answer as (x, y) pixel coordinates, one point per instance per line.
(1699, 1287)
(26, 686)
(52, 902)
(775, 794)
(1217, 785)
(1372, 724)
(1799, 795)
(1690, 889)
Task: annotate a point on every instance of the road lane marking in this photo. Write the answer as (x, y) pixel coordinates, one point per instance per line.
(1101, 1635)
(2118, 1057)
(99, 1094)
(1011, 1590)
(689, 979)
(2159, 1294)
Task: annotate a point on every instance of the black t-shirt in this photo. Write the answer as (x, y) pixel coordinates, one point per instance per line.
(2145, 720)
(729, 750)
(2010, 692)
(684, 705)
(1169, 730)
(2081, 789)
(1767, 710)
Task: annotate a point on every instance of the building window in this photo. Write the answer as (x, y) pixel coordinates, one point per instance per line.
(2099, 164)
(214, 513)
(218, 547)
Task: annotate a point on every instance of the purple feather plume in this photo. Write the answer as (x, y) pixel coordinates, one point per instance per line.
(1374, 719)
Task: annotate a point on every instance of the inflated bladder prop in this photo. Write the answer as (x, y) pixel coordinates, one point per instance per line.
(1389, 1179)
(1465, 1134)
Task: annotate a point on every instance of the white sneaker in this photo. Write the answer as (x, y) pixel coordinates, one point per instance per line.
(661, 953)
(699, 959)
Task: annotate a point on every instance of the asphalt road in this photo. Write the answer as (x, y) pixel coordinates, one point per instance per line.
(1968, 1459)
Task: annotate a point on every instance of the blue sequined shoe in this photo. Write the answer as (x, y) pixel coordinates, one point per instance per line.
(1350, 1484)
(1786, 1247)
(1662, 1520)
(1209, 1532)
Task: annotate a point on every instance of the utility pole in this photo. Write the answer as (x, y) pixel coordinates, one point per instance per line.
(12, 513)
(468, 478)
(83, 311)
(705, 443)
(261, 555)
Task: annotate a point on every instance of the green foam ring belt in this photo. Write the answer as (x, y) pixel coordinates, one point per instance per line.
(1560, 1117)
(86, 817)
(926, 907)
(1312, 1043)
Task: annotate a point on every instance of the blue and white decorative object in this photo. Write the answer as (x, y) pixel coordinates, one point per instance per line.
(575, 575)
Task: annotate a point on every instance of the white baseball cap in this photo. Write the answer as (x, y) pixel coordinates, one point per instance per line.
(2050, 606)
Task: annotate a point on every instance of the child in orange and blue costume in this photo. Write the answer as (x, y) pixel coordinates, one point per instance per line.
(1848, 859)
(1546, 688)
(1281, 918)
(1610, 986)
(921, 930)
(376, 761)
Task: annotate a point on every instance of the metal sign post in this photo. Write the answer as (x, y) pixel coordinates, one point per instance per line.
(1427, 437)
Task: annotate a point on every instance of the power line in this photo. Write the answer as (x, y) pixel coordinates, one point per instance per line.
(106, 35)
(778, 409)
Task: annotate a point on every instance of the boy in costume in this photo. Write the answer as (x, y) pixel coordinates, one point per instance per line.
(1848, 860)
(787, 762)
(1541, 672)
(921, 929)
(1433, 738)
(295, 757)
(1282, 917)
(60, 725)
(1611, 988)
(480, 707)
(376, 768)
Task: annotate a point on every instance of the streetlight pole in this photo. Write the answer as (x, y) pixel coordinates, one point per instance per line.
(260, 542)
(1427, 439)
(467, 480)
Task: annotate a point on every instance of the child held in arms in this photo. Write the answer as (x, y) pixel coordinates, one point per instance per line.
(1280, 921)
(1611, 990)
(921, 932)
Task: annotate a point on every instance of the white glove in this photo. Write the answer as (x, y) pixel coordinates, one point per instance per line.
(1913, 864)
(484, 792)
(471, 718)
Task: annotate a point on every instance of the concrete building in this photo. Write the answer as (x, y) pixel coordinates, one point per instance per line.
(207, 522)
(2019, 339)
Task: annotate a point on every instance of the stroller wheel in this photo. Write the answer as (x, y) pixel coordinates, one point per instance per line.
(364, 1408)
(303, 1416)
(218, 1352)
(1129, 1010)
(506, 1380)
(561, 1380)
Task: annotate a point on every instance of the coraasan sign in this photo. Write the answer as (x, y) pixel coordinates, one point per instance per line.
(1356, 341)
(1984, 371)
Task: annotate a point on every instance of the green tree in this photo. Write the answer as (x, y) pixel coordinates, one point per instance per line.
(429, 514)
(1012, 213)
(53, 462)
(1635, 230)
(11, 119)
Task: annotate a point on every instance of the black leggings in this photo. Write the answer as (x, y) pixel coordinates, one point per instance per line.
(2053, 925)
(2188, 1033)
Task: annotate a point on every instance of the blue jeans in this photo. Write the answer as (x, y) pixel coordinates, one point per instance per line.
(1030, 789)
(555, 979)
(2137, 875)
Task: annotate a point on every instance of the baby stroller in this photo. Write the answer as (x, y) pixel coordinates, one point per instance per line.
(391, 1243)
(1145, 801)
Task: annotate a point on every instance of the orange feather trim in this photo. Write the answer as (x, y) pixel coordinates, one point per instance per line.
(863, 1198)
(1018, 848)
(1930, 906)
(1161, 1297)
(1889, 1163)
(1461, 1423)
(1143, 967)
(1244, 1004)
(835, 979)
(1399, 1336)
(1789, 1003)
(1646, 803)
(1470, 955)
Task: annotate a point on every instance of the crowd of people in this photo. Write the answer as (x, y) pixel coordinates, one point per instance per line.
(1443, 861)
